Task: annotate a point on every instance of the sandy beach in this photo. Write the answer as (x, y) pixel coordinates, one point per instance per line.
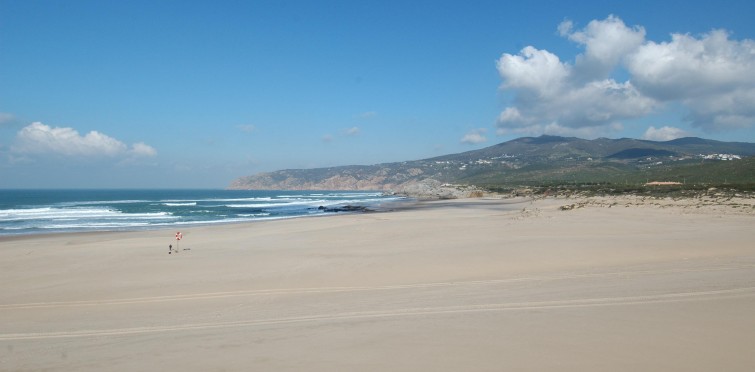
(620, 284)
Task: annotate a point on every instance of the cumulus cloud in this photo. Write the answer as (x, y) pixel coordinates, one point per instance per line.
(689, 67)
(475, 136)
(664, 133)
(606, 43)
(712, 76)
(38, 138)
(561, 97)
(533, 71)
(602, 103)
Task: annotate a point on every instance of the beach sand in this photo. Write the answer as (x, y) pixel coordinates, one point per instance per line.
(619, 284)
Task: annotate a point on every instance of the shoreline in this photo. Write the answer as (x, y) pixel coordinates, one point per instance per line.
(186, 226)
(464, 284)
(43, 212)
(725, 203)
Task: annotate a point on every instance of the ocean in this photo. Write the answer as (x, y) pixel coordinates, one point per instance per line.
(49, 211)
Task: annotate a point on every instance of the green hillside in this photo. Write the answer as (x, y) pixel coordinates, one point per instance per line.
(544, 160)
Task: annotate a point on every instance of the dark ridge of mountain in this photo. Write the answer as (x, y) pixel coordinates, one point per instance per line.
(545, 139)
(635, 153)
(520, 161)
(702, 146)
(689, 141)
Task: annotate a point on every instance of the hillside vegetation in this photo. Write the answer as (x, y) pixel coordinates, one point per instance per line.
(540, 161)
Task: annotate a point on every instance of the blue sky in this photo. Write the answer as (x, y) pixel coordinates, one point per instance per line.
(196, 93)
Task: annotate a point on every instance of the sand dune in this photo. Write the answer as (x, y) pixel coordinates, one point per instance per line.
(474, 284)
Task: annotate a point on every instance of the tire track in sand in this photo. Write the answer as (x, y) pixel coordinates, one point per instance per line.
(284, 291)
(406, 312)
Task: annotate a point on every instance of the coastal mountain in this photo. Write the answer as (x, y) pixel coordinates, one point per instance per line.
(532, 160)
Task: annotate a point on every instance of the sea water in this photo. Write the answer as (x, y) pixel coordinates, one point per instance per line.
(45, 211)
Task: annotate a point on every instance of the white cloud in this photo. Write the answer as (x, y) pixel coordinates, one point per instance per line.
(537, 71)
(597, 103)
(606, 43)
(564, 97)
(142, 149)
(712, 76)
(353, 131)
(687, 67)
(38, 138)
(475, 136)
(327, 138)
(565, 28)
(664, 133)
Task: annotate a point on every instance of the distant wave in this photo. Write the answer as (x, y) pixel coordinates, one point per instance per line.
(100, 202)
(307, 203)
(254, 215)
(49, 213)
(223, 200)
(32, 211)
(336, 195)
(97, 225)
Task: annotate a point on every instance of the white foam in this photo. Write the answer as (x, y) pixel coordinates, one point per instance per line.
(72, 213)
(100, 202)
(254, 215)
(154, 213)
(223, 200)
(278, 205)
(96, 225)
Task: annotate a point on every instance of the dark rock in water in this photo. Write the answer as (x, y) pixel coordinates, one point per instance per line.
(345, 208)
